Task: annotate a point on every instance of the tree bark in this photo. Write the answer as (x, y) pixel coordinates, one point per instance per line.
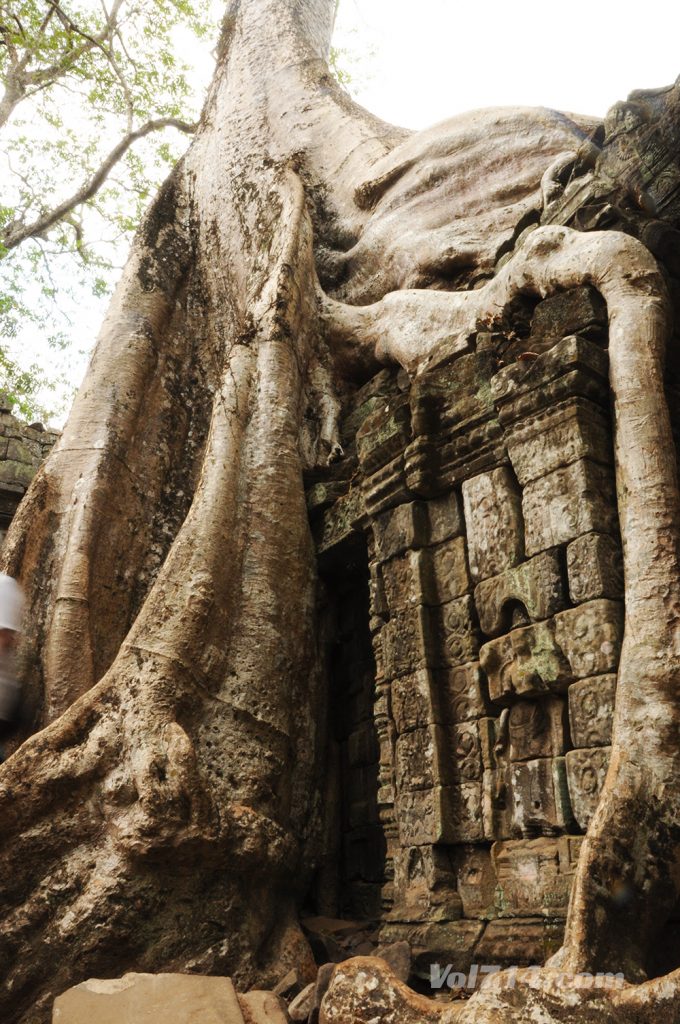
(166, 814)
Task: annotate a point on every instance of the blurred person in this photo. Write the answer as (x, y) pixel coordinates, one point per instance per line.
(11, 607)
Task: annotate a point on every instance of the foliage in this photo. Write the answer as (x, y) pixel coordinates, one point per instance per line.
(80, 77)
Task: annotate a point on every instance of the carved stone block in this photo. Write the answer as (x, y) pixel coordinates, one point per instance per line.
(400, 528)
(591, 637)
(535, 586)
(527, 661)
(338, 522)
(458, 632)
(465, 813)
(407, 580)
(449, 576)
(595, 568)
(496, 805)
(532, 877)
(591, 711)
(462, 693)
(536, 728)
(424, 816)
(384, 434)
(445, 516)
(425, 885)
(586, 770)
(413, 701)
(475, 880)
(576, 311)
(408, 642)
(519, 942)
(418, 755)
(557, 436)
(540, 797)
(568, 502)
(493, 517)
(464, 752)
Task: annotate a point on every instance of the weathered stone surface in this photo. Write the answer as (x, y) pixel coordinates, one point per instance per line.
(573, 367)
(414, 703)
(540, 797)
(534, 875)
(458, 632)
(444, 814)
(398, 529)
(464, 750)
(340, 520)
(384, 433)
(558, 436)
(537, 728)
(407, 580)
(418, 756)
(424, 885)
(462, 692)
(595, 568)
(408, 642)
(535, 586)
(586, 770)
(591, 711)
(591, 637)
(527, 662)
(445, 517)
(261, 1007)
(567, 503)
(140, 998)
(575, 311)
(475, 880)
(493, 518)
(519, 942)
(448, 568)
(301, 1007)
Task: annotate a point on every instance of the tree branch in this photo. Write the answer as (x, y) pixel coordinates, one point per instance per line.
(18, 231)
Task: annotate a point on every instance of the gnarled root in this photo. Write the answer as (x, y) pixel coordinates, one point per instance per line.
(628, 876)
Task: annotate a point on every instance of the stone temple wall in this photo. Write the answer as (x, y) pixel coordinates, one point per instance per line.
(471, 533)
(22, 449)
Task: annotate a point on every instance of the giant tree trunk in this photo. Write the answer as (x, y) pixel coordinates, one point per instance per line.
(167, 813)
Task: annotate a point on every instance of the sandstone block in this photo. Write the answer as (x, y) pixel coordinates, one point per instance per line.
(595, 568)
(407, 579)
(413, 701)
(591, 637)
(558, 436)
(449, 576)
(475, 880)
(540, 797)
(445, 517)
(141, 998)
(265, 1008)
(586, 771)
(493, 518)
(400, 528)
(458, 632)
(528, 662)
(536, 729)
(462, 692)
(519, 942)
(591, 711)
(532, 877)
(418, 756)
(464, 754)
(536, 586)
(408, 642)
(383, 434)
(568, 502)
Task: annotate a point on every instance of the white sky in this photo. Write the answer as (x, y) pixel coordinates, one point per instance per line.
(414, 63)
(435, 58)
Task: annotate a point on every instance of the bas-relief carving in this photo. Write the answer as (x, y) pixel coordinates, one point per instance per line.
(496, 622)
